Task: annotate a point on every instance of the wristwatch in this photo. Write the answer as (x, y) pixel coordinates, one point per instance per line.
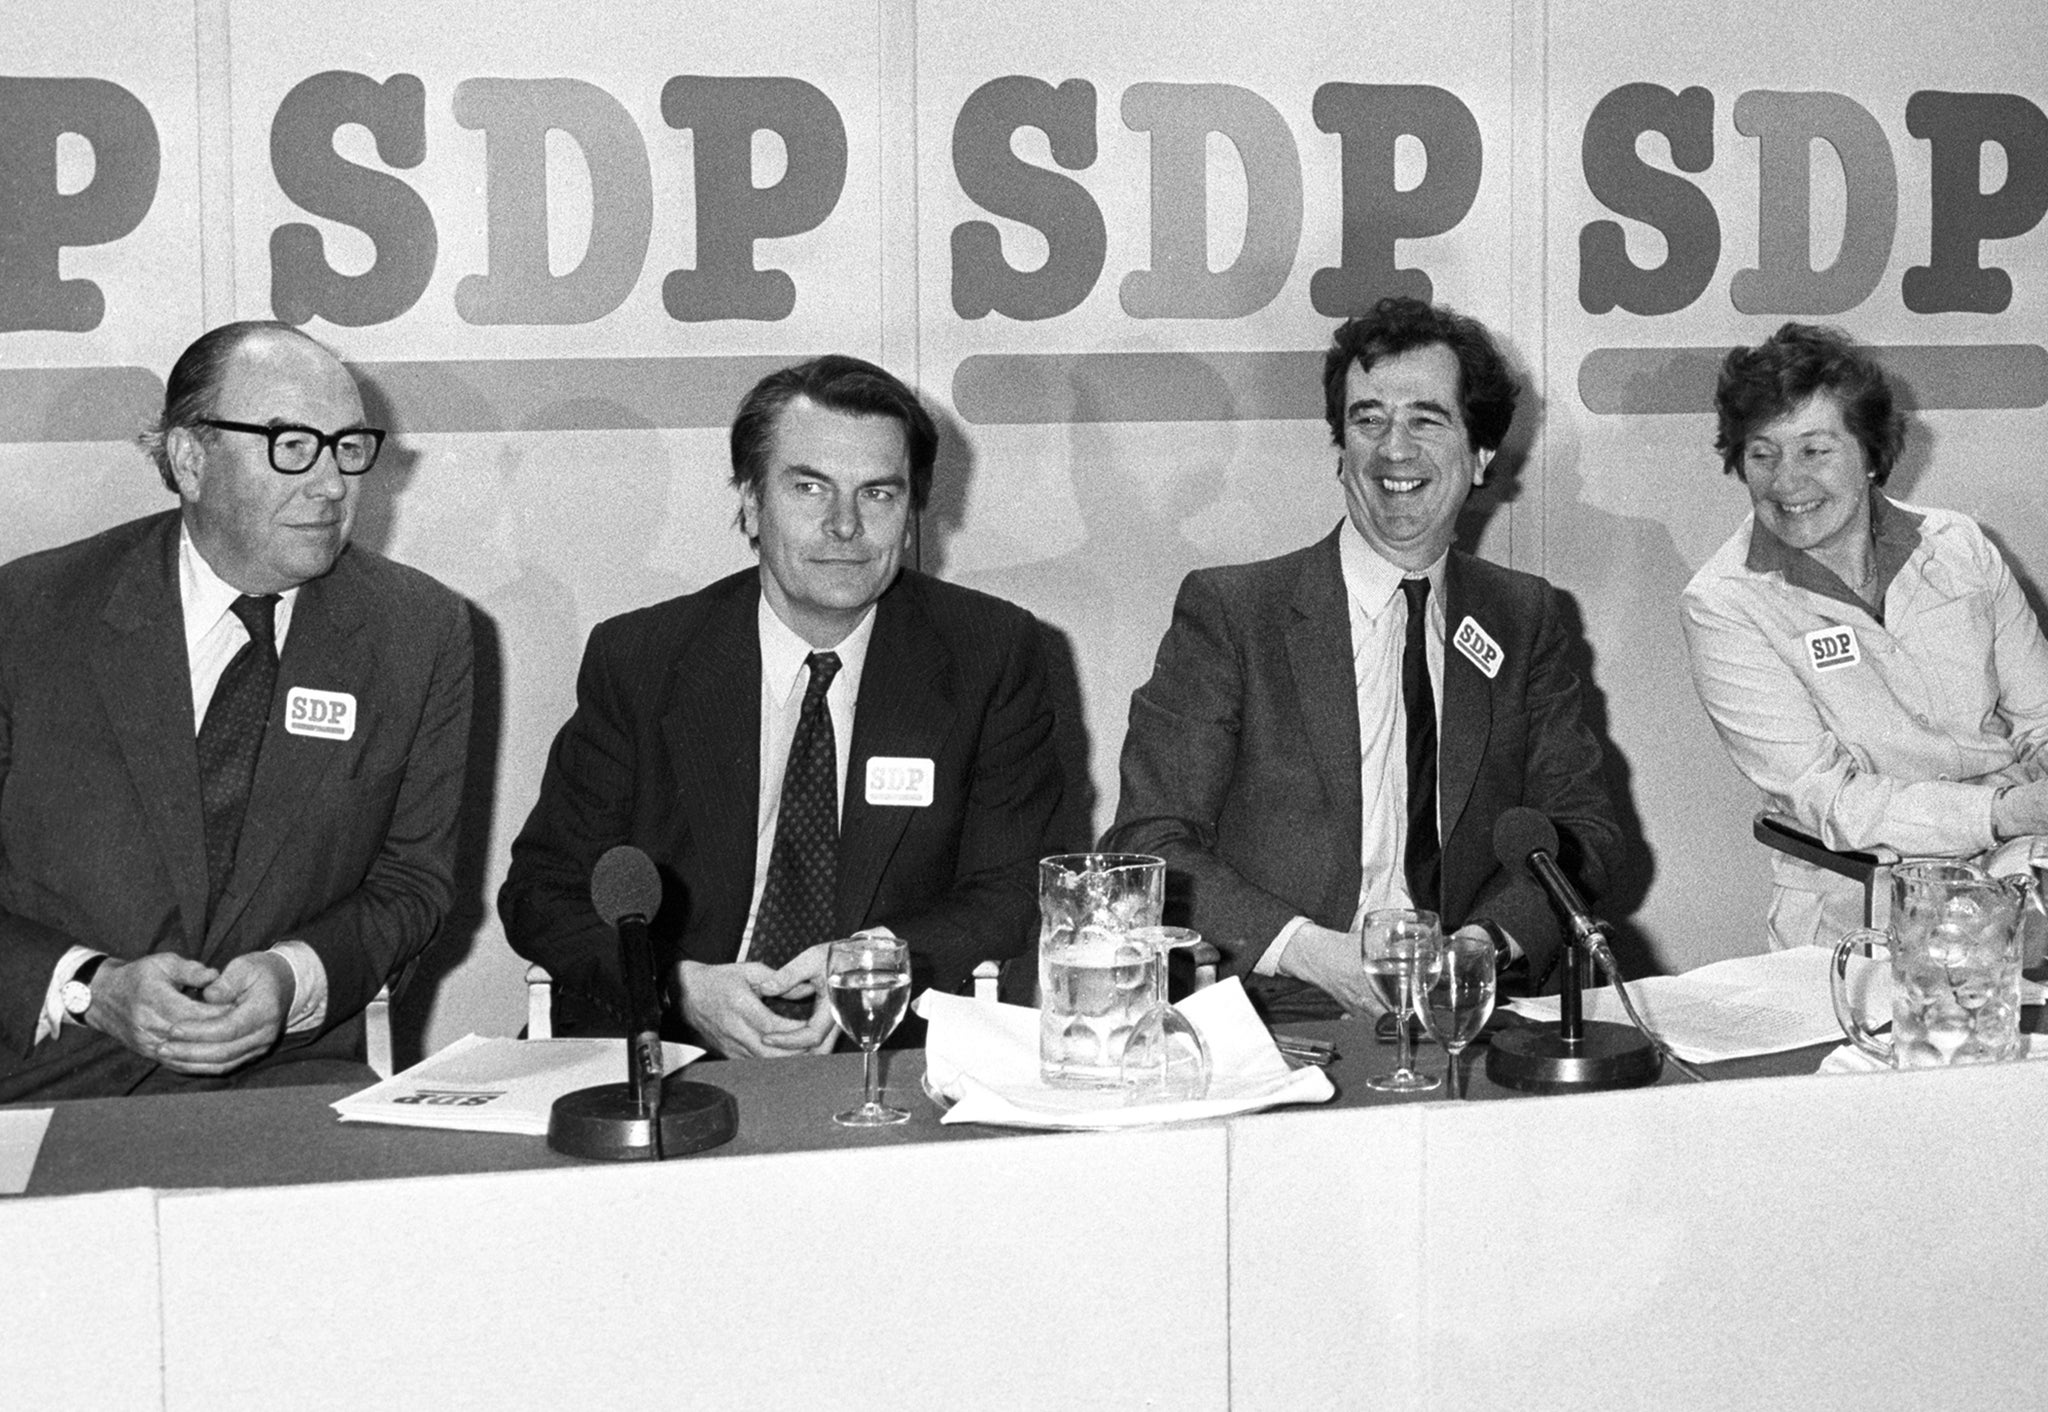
(78, 990)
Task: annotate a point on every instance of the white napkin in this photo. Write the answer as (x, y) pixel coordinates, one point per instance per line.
(1851, 1060)
(983, 1058)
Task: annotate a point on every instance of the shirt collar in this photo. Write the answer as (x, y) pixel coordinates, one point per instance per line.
(204, 594)
(784, 654)
(1894, 535)
(1371, 581)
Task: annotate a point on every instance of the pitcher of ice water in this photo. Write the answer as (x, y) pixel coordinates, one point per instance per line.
(1096, 979)
(1955, 940)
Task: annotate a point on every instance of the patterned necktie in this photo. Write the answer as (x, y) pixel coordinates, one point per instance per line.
(232, 736)
(803, 868)
(1424, 863)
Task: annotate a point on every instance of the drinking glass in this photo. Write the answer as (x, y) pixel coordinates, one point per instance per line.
(1458, 1000)
(1400, 946)
(1166, 1059)
(868, 979)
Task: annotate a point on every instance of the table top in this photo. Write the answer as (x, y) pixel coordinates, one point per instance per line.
(290, 1136)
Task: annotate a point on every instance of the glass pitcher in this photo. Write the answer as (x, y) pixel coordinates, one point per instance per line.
(1098, 973)
(1955, 940)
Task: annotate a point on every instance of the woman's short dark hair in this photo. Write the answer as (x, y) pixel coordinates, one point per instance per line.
(193, 389)
(1761, 384)
(1486, 388)
(841, 384)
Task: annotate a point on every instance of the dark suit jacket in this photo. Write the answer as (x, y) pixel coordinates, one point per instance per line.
(346, 845)
(1241, 766)
(663, 752)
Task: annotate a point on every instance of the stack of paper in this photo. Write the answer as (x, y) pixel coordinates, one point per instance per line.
(21, 1138)
(1748, 1005)
(484, 1085)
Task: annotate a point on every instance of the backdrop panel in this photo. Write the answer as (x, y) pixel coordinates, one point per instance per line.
(1777, 163)
(1137, 235)
(1109, 245)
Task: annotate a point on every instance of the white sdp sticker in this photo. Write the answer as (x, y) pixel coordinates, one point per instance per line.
(899, 779)
(331, 715)
(1479, 648)
(1829, 648)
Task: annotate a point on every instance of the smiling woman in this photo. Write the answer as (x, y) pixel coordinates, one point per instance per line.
(1872, 667)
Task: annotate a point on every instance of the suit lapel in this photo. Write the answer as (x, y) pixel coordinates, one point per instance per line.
(904, 709)
(1325, 683)
(325, 650)
(145, 685)
(1468, 695)
(712, 729)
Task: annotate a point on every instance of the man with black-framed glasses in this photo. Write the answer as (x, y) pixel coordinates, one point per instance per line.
(231, 752)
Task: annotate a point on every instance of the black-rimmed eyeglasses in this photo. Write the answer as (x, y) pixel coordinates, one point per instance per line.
(294, 449)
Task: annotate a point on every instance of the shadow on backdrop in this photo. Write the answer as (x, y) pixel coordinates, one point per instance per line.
(945, 516)
(1654, 568)
(471, 906)
(1106, 602)
(1641, 564)
(377, 493)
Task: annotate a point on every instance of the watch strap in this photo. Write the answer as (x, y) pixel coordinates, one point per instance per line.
(82, 979)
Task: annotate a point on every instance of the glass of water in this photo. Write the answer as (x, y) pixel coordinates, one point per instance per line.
(1457, 999)
(868, 979)
(1400, 946)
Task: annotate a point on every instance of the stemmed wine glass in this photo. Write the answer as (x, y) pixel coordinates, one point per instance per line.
(1400, 946)
(1458, 999)
(868, 979)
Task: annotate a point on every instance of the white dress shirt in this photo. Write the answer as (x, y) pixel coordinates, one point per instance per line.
(213, 635)
(1379, 633)
(784, 676)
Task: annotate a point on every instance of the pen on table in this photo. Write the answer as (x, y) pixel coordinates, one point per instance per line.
(1310, 1051)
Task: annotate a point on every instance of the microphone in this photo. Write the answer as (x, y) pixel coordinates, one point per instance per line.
(626, 890)
(1575, 1054)
(1524, 838)
(649, 1115)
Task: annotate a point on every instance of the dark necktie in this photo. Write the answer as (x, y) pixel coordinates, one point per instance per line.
(803, 867)
(1424, 862)
(232, 737)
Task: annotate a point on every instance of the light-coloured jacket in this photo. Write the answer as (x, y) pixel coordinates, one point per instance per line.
(1894, 734)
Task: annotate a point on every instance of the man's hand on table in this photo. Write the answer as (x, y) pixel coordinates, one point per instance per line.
(254, 994)
(1330, 961)
(141, 1002)
(723, 1005)
(803, 976)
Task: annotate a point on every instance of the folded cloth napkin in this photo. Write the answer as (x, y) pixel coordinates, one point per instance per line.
(983, 1059)
(1851, 1060)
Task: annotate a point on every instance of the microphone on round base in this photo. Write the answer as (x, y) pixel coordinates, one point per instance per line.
(1575, 1054)
(607, 1122)
(1538, 1059)
(650, 1116)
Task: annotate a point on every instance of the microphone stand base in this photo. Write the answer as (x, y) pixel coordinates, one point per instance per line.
(605, 1123)
(1536, 1059)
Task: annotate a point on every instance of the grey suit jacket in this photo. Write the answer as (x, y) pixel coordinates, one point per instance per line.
(1241, 765)
(346, 845)
(663, 752)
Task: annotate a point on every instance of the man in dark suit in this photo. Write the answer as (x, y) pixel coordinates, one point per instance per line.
(231, 753)
(824, 744)
(1284, 757)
